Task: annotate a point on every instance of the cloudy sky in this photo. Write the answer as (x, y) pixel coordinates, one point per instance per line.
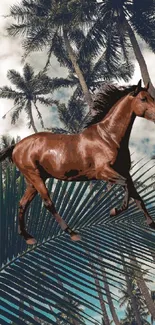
(143, 133)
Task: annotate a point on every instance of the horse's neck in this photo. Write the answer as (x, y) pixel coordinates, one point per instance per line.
(118, 120)
(125, 140)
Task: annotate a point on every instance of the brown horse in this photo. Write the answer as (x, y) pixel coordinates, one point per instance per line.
(85, 156)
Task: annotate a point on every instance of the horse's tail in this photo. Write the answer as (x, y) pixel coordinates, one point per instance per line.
(7, 153)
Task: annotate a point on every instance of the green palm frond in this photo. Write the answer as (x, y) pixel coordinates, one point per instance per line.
(47, 101)
(142, 20)
(57, 83)
(37, 279)
(58, 130)
(28, 72)
(16, 79)
(59, 50)
(16, 112)
(72, 115)
(8, 92)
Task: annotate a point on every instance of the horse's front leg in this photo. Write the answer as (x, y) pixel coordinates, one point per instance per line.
(125, 203)
(130, 191)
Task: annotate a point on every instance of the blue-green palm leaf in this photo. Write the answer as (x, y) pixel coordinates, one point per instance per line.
(37, 279)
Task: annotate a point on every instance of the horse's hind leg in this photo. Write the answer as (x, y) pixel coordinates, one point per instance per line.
(39, 185)
(28, 196)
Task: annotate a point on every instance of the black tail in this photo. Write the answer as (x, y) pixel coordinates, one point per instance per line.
(7, 153)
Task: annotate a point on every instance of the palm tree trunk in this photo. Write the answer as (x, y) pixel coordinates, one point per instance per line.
(140, 58)
(109, 298)
(78, 71)
(32, 120)
(145, 292)
(108, 294)
(102, 304)
(134, 304)
(133, 300)
(39, 115)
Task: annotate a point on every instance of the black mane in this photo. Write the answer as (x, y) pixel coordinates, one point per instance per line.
(105, 99)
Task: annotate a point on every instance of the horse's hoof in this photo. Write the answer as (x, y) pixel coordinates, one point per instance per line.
(152, 225)
(75, 236)
(31, 241)
(113, 212)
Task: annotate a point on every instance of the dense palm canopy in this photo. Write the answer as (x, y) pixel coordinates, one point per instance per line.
(31, 89)
(122, 20)
(95, 71)
(110, 27)
(58, 27)
(44, 21)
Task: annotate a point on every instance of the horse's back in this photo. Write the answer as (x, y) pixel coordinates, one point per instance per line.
(43, 146)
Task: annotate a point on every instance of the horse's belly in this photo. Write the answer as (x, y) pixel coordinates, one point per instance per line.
(71, 168)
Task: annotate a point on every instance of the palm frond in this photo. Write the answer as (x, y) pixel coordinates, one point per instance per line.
(28, 72)
(142, 20)
(47, 101)
(16, 112)
(9, 93)
(65, 268)
(16, 79)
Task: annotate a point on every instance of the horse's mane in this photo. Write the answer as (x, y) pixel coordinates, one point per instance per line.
(105, 99)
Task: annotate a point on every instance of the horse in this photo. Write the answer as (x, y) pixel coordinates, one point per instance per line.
(88, 155)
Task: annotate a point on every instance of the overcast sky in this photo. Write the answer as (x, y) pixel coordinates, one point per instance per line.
(143, 133)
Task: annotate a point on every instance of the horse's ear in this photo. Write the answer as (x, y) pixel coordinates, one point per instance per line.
(147, 86)
(139, 84)
(138, 88)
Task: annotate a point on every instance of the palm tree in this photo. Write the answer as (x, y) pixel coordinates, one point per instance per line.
(45, 23)
(31, 89)
(141, 282)
(71, 315)
(5, 142)
(129, 318)
(132, 296)
(95, 72)
(122, 20)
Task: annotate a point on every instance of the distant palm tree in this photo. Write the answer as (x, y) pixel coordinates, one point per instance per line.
(5, 142)
(72, 313)
(133, 297)
(31, 89)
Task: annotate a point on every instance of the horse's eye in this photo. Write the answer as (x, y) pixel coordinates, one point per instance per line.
(144, 99)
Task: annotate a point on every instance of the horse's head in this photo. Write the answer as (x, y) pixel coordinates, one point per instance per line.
(142, 103)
